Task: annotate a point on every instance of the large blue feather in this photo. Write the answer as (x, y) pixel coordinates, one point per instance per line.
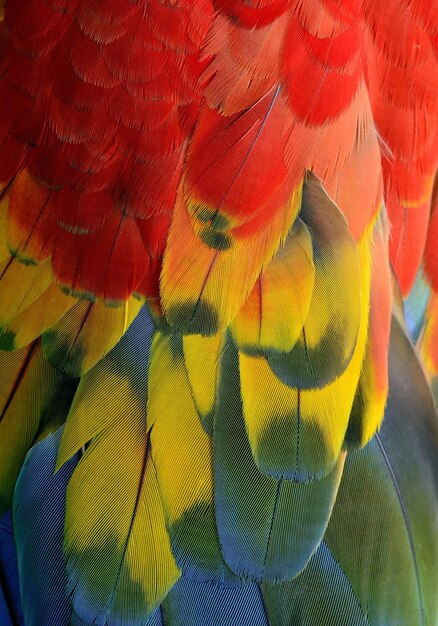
(38, 513)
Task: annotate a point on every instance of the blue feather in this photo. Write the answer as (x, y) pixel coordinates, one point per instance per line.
(38, 514)
(10, 605)
(192, 603)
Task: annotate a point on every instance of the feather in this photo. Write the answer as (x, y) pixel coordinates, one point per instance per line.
(201, 287)
(431, 253)
(268, 528)
(321, 595)
(228, 151)
(297, 433)
(38, 317)
(415, 306)
(382, 535)
(39, 496)
(177, 437)
(117, 381)
(33, 280)
(428, 343)
(4, 250)
(402, 78)
(405, 544)
(408, 238)
(328, 70)
(109, 263)
(31, 222)
(243, 64)
(329, 334)
(86, 333)
(372, 391)
(201, 359)
(199, 604)
(255, 15)
(273, 316)
(23, 411)
(118, 557)
(10, 606)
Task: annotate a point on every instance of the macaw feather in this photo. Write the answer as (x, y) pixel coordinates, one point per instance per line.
(33, 280)
(177, 438)
(329, 333)
(118, 380)
(40, 495)
(198, 603)
(119, 561)
(297, 433)
(201, 358)
(202, 288)
(382, 535)
(38, 317)
(372, 390)
(428, 343)
(195, 284)
(87, 332)
(272, 318)
(268, 528)
(23, 413)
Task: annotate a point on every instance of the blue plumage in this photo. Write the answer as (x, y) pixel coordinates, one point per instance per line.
(38, 516)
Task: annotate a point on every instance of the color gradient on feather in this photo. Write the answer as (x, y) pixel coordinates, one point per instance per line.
(209, 211)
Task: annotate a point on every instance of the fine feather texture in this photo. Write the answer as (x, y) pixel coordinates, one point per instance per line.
(117, 381)
(118, 558)
(372, 390)
(378, 561)
(203, 287)
(430, 253)
(195, 281)
(268, 528)
(86, 333)
(38, 317)
(330, 330)
(415, 306)
(274, 314)
(201, 359)
(188, 497)
(402, 523)
(32, 398)
(428, 341)
(335, 588)
(298, 433)
(10, 610)
(198, 604)
(39, 494)
(34, 280)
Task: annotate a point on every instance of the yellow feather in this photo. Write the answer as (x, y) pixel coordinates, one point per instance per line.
(44, 312)
(182, 453)
(29, 387)
(202, 288)
(177, 437)
(272, 318)
(201, 356)
(20, 286)
(118, 556)
(296, 433)
(86, 333)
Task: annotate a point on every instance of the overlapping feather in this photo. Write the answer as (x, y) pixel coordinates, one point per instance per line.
(163, 152)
